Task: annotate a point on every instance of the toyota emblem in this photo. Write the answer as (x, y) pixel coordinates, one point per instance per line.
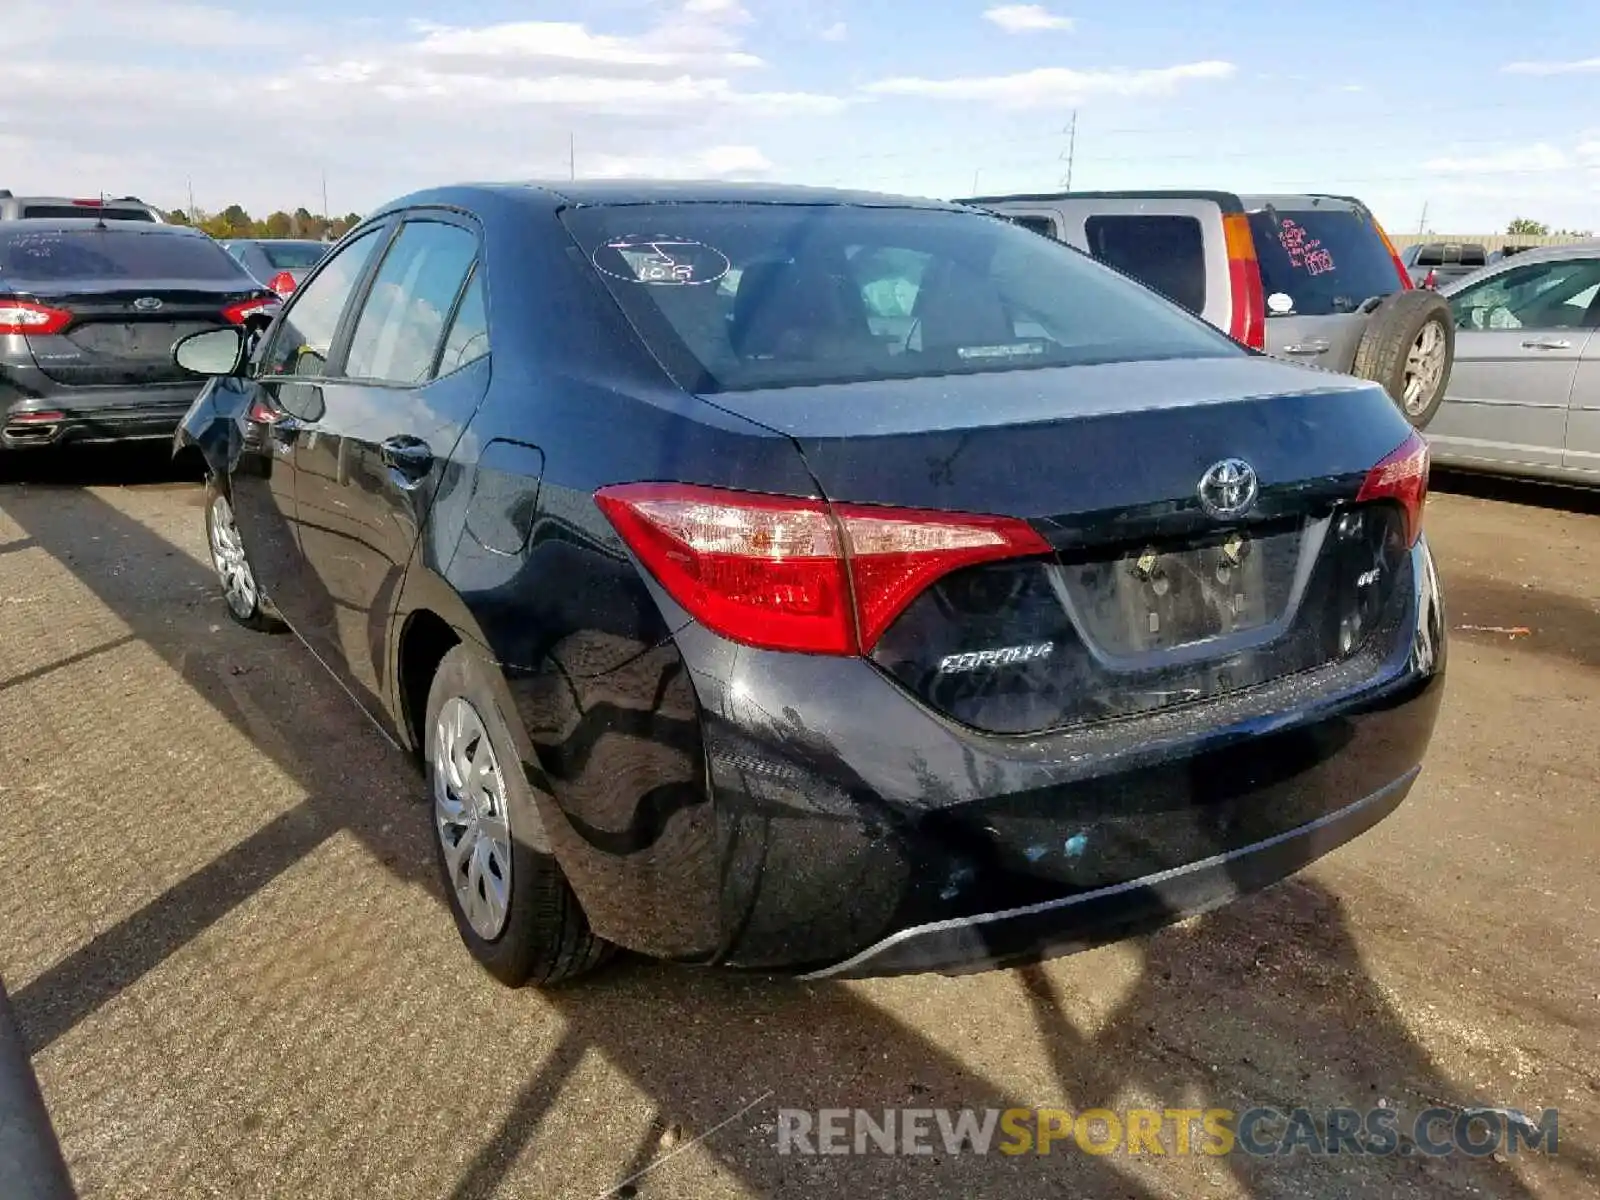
(1228, 489)
(147, 304)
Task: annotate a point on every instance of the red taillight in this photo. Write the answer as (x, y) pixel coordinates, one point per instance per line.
(43, 417)
(282, 283)
(1402, 477)
(1431, 279)
(22, 316)
(795, 574)
(89, 203)
(245, 309)
(1399, 264)
(1249, 321)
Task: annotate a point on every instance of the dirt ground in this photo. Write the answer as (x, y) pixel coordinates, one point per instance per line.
(236, 977)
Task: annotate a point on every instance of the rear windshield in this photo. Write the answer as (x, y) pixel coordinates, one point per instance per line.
(293, 256)
(67, 212)
(92, 255)
(739, 296)
(1323, 260)
(1451, 255)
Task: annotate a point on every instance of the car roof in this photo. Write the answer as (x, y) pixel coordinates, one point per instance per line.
(1228, 202)
(1589, 248)
(583, 193)
(35, 225)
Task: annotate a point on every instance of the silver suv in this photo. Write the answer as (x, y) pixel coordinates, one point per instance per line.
(58, 208)
(1310, 278)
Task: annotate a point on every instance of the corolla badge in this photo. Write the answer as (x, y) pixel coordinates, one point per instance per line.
(147, 304)
(1228, 488)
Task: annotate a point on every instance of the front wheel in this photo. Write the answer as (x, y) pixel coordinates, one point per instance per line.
(513, 906)
(246, 604)
(1409, 346)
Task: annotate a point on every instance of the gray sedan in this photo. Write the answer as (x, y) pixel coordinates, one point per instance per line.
(279, 263)
(1524, 398)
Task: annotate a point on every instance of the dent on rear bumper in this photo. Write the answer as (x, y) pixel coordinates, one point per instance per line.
(848, 830)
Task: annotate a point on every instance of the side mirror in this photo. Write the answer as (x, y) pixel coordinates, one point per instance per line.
(213, 352)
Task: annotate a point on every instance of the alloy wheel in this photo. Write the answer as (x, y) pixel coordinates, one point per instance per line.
(228, 557)
(1424, 368)
(470, 817)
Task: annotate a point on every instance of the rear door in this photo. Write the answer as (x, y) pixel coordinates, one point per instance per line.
(369, 464)
(1319, 264)
(289, 386)
(1520, 335)
(1583, 408)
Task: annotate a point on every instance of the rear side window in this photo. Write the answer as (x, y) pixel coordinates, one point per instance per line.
(1042, 225)
(1164, 253)
(402, 323)
(1325, 261)
(111, 255)
(468, 339)
(746, 296)
(69, 212)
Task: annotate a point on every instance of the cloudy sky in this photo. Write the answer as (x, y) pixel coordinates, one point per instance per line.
(1488, 114)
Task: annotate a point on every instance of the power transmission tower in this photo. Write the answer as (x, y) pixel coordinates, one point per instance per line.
(572, 156)
(1422, 224)
(1072, 149)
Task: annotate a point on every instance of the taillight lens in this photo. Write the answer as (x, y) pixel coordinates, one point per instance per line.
(1431, 279)
(1402, 477)
(797, 574)
(1249, 321)
(21, 316)
(1399, 265)
(282, 283)
(245, 309)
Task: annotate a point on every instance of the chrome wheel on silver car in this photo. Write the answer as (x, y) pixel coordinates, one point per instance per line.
(470, 817)
(1425, 363)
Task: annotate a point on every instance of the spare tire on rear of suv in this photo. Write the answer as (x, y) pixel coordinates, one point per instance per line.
(1409, 346)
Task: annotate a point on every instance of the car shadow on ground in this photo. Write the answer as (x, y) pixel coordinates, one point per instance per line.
(1265, 1002)
(1513, 490)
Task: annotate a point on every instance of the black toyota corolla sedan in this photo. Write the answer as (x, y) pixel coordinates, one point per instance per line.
(821, 582)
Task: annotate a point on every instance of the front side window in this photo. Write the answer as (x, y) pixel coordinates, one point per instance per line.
(1164, 253)
(742, 296)
(1547, 295)
(305, 333)
(402, 323)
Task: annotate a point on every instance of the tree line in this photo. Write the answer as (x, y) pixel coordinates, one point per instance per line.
(1527, 227)
(235, 222)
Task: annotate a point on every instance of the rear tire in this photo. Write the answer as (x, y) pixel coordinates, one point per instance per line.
(1409, 347)
(241, 594)
(512, 905)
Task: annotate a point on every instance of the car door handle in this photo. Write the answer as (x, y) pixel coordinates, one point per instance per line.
(1308, 349)
(408, 457)
(1547, 344)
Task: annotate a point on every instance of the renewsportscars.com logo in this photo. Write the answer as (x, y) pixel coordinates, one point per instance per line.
(1259, 1132)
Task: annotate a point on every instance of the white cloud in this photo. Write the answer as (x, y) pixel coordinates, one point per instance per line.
(1026, 18)
(836, 32)
(1054, 85)
(1541, 156)
(717, 162)
(677, 93)
(1589, 149)
(1553, 68)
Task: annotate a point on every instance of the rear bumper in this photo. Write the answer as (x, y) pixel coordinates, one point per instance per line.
(785, 812)
(95, 416)
(1122, 910)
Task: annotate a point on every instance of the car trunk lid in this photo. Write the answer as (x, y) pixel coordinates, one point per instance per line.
(125, 335)
(1150, 595)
